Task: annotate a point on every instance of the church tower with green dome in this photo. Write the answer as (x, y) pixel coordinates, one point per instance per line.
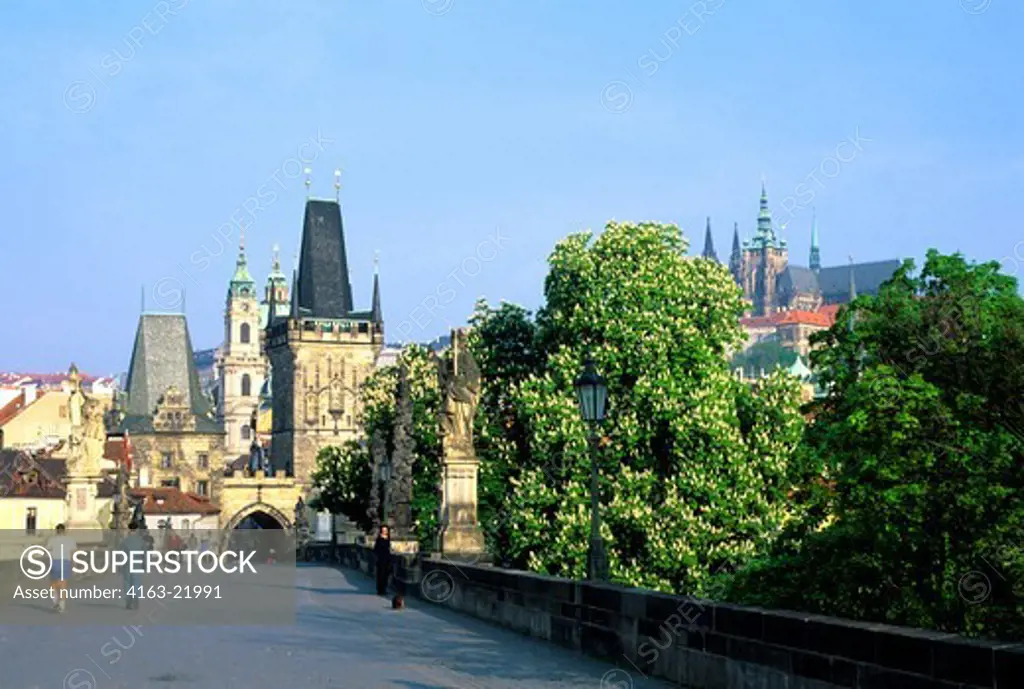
(241, 366)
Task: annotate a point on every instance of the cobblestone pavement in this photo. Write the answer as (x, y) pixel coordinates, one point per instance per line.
(343, 636)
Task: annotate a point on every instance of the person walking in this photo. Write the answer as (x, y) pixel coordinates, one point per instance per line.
(61, 547)
(134, 542)
(382, 554)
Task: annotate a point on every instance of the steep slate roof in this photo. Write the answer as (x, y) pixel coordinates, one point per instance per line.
(798, 279)
(324, 289)
(162, 357)
(835, 281)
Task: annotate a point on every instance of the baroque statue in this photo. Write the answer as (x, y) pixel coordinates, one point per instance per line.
(88, 430)
(459, 380)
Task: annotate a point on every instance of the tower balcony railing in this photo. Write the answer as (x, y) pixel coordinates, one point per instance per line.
(322, 329)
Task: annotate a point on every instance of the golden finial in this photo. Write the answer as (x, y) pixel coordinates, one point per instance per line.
(309, 181)
(337, 185)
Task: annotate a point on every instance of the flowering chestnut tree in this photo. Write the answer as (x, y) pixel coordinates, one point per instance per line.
(694, 465)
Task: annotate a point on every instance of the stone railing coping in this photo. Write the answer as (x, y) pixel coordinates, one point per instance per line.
(845, 652)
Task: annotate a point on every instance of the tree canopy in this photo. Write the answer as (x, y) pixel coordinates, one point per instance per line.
(919, 441)
(694, 465)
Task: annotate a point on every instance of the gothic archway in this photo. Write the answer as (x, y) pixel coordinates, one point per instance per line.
(262, 514)
(262, 528)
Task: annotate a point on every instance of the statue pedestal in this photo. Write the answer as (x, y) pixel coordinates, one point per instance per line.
(83, 509)
(461, 537)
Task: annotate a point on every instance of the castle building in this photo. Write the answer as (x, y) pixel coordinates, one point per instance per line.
(321, 352)
(177, 440)
(771, 284)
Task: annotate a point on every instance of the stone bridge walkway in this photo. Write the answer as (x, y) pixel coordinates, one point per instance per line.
(343, 636)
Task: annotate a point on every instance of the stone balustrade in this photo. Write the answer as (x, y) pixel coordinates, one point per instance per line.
(703, 644)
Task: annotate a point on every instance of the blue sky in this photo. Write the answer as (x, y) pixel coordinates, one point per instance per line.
(134, 132)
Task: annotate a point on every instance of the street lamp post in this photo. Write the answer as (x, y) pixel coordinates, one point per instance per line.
(592, 395)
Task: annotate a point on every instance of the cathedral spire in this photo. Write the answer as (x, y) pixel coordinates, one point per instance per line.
(815, 262)
(241, 277)
(765, 233)
(736, 257)
(376, 315)
(709, 244)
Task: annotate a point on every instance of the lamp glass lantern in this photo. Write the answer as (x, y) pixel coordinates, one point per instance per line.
(591, 393)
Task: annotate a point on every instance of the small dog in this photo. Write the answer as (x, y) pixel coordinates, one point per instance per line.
(398, 602)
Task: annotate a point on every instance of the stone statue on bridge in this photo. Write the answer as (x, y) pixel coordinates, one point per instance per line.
(459, 380)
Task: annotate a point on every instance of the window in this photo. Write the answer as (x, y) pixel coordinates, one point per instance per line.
(245, 432)
(166, 460)
(246, 385)
(203, 488)
(30, 521)
(203, 461)
(171, 483)
(244, 333)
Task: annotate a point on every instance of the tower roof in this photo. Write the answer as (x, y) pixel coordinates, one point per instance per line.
(709, 243)
(765, 236)
(161, 358)
(376, 315)
(324, 289)
(241, 275)
(276, 274)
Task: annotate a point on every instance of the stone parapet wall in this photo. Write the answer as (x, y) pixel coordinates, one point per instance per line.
(703, 644)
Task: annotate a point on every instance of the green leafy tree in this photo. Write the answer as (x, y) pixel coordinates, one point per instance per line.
(920, 447)
(694, 465)
(503, 342)
(421, 440)
(342, 481)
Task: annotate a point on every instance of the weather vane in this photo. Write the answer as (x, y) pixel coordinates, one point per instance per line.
(337, 185)
(309, 182)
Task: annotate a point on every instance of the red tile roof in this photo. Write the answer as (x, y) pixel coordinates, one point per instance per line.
(14, 407)
(806, 318)
(43, 379)
(821, 317)
(24, 476)
(173, 501)
(831, 310)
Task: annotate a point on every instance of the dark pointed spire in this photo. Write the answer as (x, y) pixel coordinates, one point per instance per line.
(376, 315)
(709, 244)
(736, 257)
(271, 307)
(295, 293)
(815, 261)
(324, 289)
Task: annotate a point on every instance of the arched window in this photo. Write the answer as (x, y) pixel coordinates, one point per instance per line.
(246, 385)
(245, 432)
(244, 333)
